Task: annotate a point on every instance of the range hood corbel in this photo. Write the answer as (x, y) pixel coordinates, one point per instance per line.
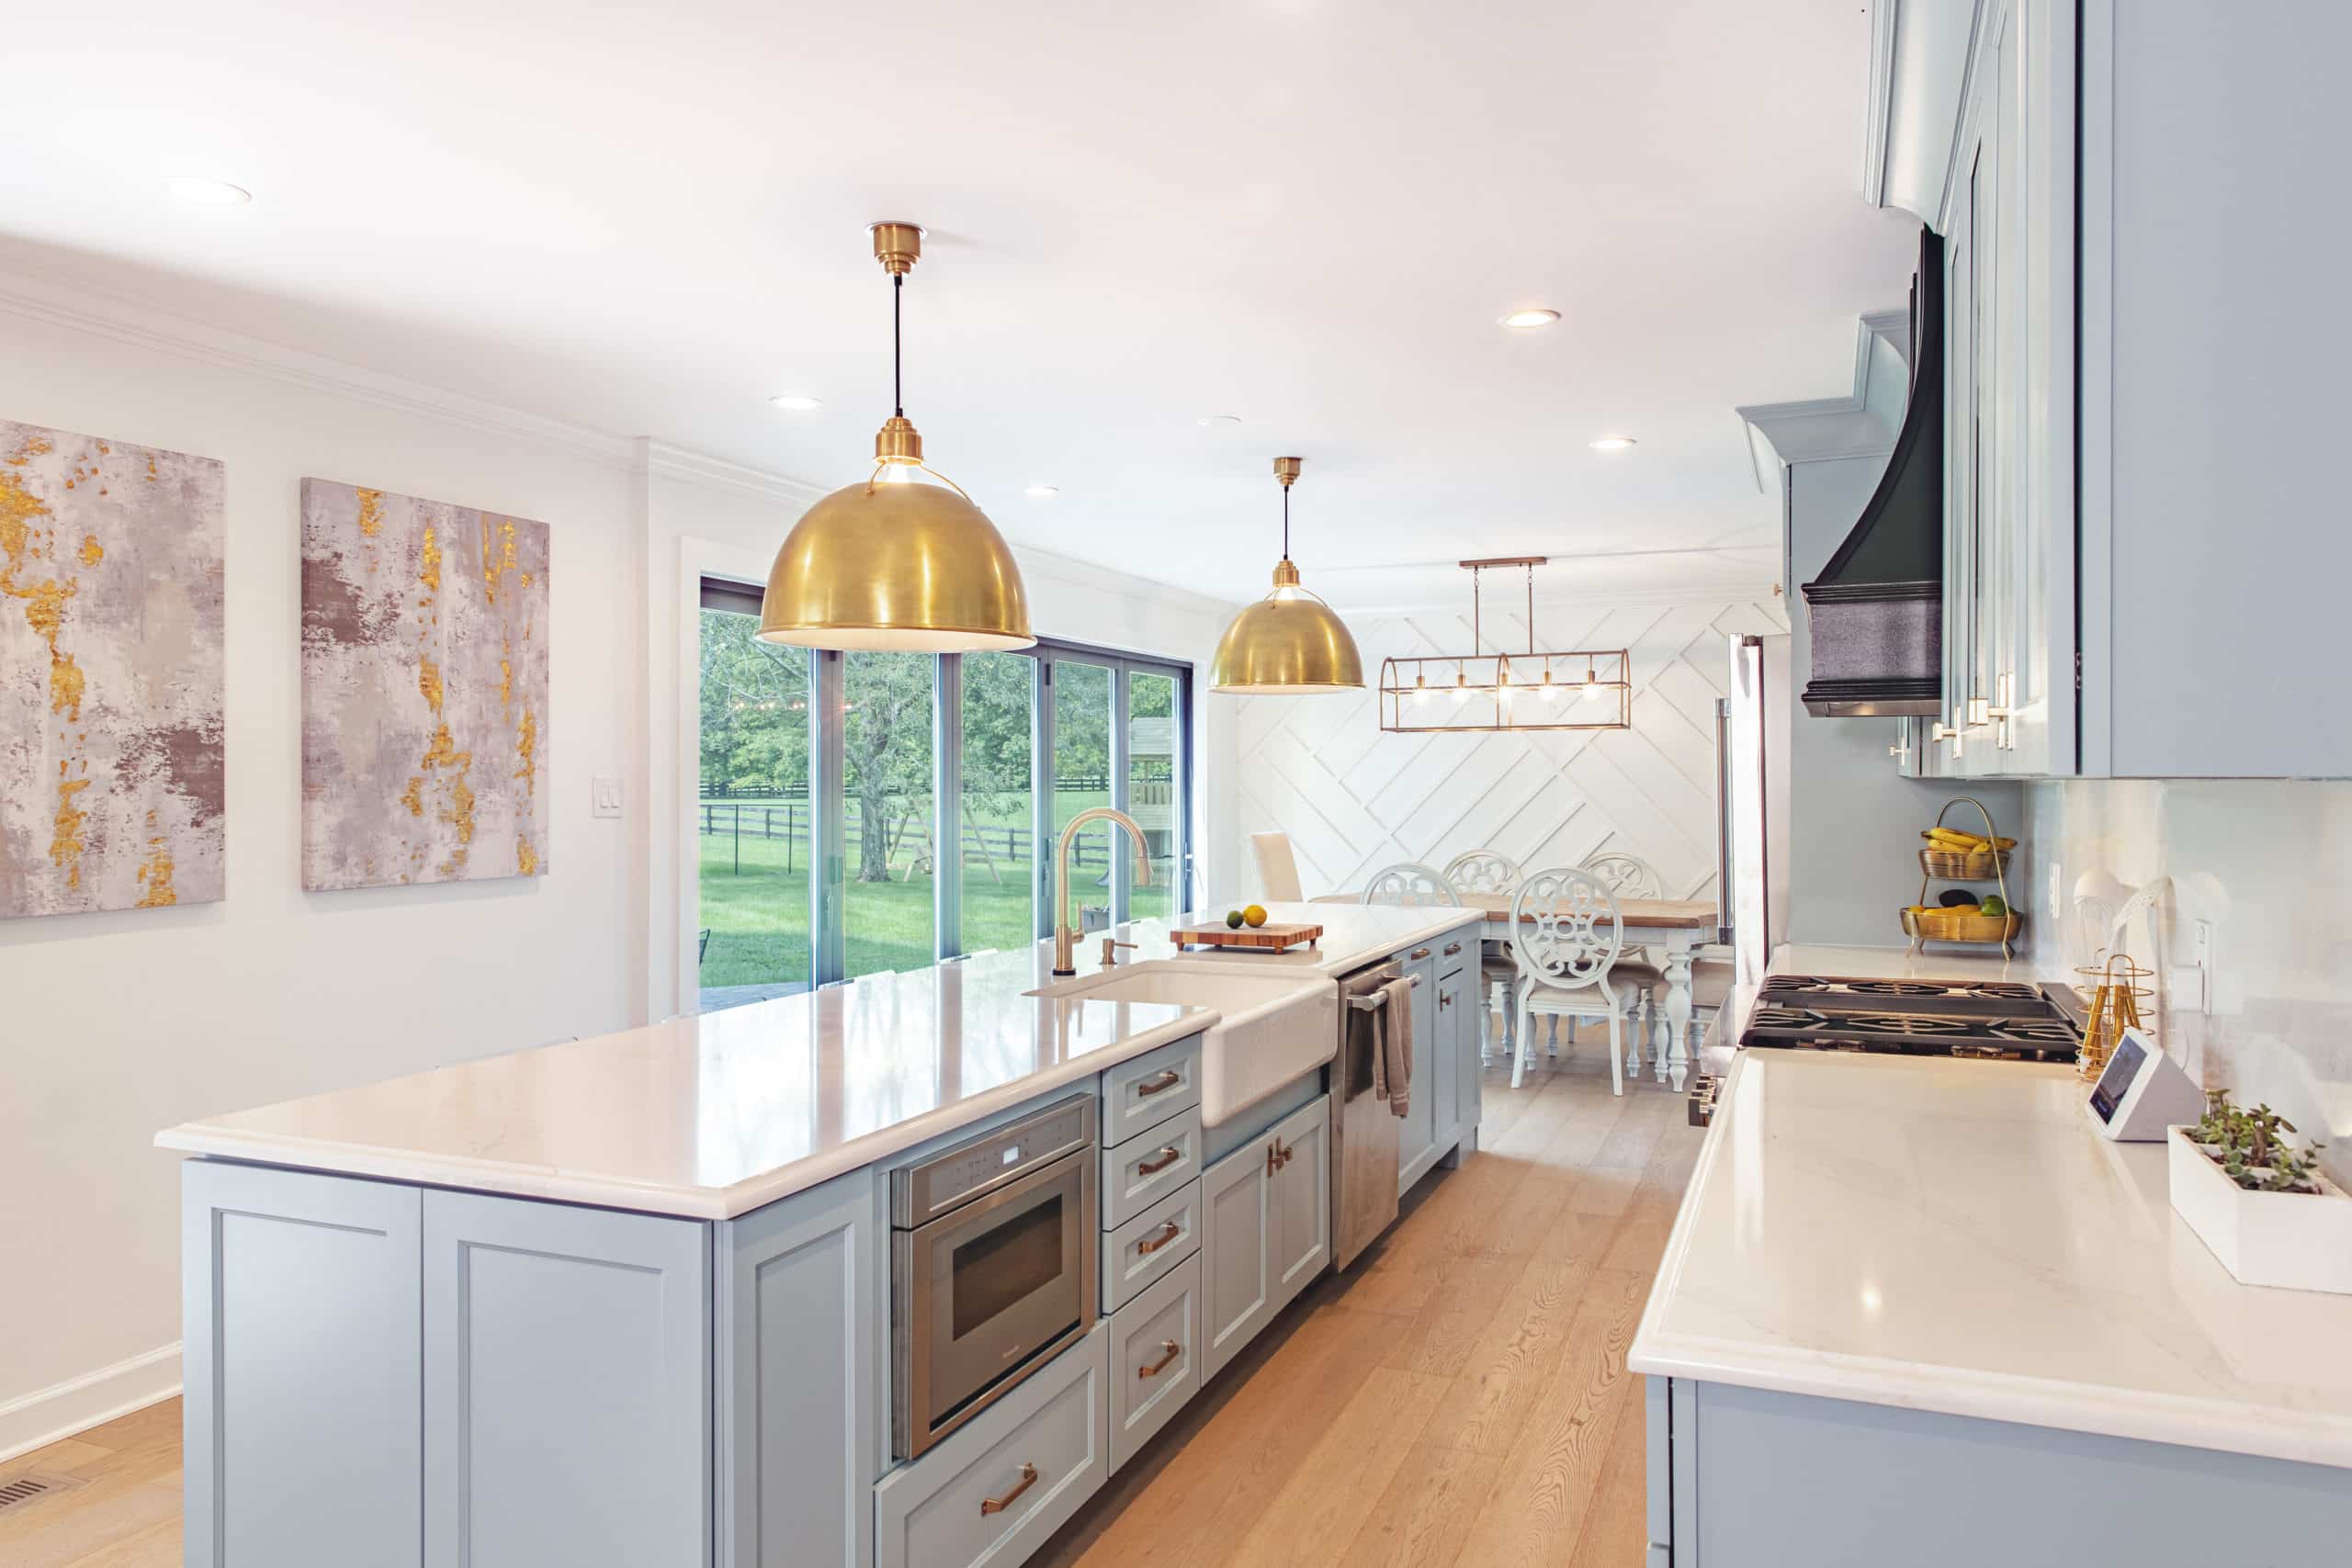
(1876, 610)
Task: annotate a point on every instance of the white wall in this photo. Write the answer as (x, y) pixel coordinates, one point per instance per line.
(2267, 863)
(1354, 799)
(115, 1025)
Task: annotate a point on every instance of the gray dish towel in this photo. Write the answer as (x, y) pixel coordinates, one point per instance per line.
(1392, 1046)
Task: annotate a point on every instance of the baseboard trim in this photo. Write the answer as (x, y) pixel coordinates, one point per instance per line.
(37, 1419)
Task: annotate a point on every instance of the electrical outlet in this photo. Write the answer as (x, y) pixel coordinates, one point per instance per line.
(605, 796)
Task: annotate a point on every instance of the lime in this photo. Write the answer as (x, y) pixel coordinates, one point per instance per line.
(1232, 918)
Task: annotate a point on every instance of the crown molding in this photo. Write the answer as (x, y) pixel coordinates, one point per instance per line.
(1862, 423)
(665, 460)
(125, 321)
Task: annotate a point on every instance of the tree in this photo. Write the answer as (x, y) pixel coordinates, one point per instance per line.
(886, 748)
(755, 709)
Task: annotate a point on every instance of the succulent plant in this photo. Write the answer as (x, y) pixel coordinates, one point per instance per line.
(2247, 1145)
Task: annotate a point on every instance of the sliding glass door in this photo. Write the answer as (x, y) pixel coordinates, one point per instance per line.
(866, 812)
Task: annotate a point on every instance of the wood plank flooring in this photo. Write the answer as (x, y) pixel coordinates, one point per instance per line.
(1459, 1398)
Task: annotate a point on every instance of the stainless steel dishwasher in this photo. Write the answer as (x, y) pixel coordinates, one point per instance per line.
(1365, 1131)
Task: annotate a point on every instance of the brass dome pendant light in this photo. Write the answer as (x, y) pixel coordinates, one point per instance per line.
(889, 563)
(1289, 643)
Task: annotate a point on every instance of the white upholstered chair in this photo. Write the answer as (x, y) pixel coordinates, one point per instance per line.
(1277, 867)
(1486, 870)
(1565, 935)
(1410, 883)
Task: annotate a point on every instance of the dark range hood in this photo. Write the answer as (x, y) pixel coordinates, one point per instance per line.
(1877, 608)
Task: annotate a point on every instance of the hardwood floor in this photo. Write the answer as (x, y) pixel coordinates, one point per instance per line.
(1459, 1397)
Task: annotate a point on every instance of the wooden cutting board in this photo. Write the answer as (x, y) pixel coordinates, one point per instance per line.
(1271, 937)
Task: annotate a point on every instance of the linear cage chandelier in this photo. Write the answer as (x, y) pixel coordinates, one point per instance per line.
(1562, 688)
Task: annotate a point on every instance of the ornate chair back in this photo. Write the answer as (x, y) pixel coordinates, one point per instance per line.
(1410, 883)
(1482, 871)
(1565, 930)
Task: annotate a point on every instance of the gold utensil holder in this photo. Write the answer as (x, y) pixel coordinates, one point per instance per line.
(1928, 924)
(2114, 996)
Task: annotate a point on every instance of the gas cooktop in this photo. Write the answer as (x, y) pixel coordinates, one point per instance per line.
(1997, 1018)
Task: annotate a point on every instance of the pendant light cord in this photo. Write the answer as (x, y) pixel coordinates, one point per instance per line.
(897, 390)
(1286, 521)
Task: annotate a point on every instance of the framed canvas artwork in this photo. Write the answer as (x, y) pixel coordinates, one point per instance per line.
(424, 691)
(113, 772)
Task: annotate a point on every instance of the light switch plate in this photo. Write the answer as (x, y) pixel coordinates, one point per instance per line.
(605, 796)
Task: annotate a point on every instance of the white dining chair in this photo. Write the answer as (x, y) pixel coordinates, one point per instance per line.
(1277, 868)
(1409, 885)
(1566, 933)
(1488, 871)
(1628, 876)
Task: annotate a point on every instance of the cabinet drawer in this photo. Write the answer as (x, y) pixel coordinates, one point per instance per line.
(1455, 953)
(1147, 1091)
(994, 1491)
(1149, 1245)
(1155, 1364)
(1143, 1170)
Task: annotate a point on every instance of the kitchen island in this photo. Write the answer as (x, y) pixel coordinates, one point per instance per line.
(630, 1300)
(1913, 1309)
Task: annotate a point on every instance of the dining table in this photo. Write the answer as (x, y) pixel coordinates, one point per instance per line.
(1680, 925)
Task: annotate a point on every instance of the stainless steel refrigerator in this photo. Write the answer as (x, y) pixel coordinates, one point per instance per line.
(1751, 805)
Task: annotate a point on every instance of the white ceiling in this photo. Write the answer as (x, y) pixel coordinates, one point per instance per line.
(1306, 212)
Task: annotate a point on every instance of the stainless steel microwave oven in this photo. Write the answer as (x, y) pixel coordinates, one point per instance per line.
(992, 1267)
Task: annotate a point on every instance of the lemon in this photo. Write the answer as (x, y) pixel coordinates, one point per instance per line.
(1255, 914)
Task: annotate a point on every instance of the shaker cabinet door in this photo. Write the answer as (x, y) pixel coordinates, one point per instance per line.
(1300, 1202)
(1237, 1254)
(567, 1377)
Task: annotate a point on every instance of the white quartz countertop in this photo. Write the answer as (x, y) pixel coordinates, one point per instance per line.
(1948, 1235)
(718, 1113)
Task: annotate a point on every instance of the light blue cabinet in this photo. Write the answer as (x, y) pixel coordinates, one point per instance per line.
(1736, 1479)
(801, 1320)
(1265, 1229)
(304, 1385)
(567, 1385)
(1417, 1144)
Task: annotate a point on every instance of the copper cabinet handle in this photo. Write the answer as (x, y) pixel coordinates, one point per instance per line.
(1451, 948)
(1148, 1248)
(1169, 1155)
(1166, 1078)
(1274, 1160)
(1169, 1352)
(1419, 953)
(999, 1505)
(1444, 999)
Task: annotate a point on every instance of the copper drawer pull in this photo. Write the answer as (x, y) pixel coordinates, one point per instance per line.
(1420, 952)
(1169, 1352)
(1167, 1077)
(1169, 1155)
(1451, 948)
(999, 1505)
(1148, 1248)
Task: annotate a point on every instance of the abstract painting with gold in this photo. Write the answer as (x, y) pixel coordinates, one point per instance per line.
(112, 776)
(424, 691)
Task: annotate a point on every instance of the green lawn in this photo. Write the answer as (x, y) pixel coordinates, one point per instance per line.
(758, 916)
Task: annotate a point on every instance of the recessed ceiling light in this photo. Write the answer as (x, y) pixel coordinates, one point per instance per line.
(208, 193)
(1613, 443)
(1526, 320)
(1043, 493)
(1214, 419)
(792, 402)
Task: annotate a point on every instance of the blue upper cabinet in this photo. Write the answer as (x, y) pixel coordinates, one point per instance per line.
(2141, 553)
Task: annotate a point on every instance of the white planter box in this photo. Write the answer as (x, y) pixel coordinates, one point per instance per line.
(2300, 1240)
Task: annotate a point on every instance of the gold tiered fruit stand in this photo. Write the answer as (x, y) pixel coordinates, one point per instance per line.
(1926, 923)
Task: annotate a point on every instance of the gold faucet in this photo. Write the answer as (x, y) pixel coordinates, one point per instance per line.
(1065, 934)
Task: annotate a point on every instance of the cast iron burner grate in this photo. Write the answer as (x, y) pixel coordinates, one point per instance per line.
(1895, 988)
(1900, 1023)
(2052, 1033)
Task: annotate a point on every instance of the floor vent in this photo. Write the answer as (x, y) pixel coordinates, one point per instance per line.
(18, 1490)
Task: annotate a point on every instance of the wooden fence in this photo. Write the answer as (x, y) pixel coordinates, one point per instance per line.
(788, 822)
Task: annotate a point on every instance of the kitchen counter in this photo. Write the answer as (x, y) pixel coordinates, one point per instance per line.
(1947, 1236)
(712, 1115)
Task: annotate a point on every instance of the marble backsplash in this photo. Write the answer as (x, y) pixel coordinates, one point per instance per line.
(2268, 865)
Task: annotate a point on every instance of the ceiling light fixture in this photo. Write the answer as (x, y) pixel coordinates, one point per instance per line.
(1043, 493)
(196, 192)
(1217, 419)
(1528, 321)
(1290, 643)
(1405, 682)
(1615, 444)
(896, 565)
(792, 402)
